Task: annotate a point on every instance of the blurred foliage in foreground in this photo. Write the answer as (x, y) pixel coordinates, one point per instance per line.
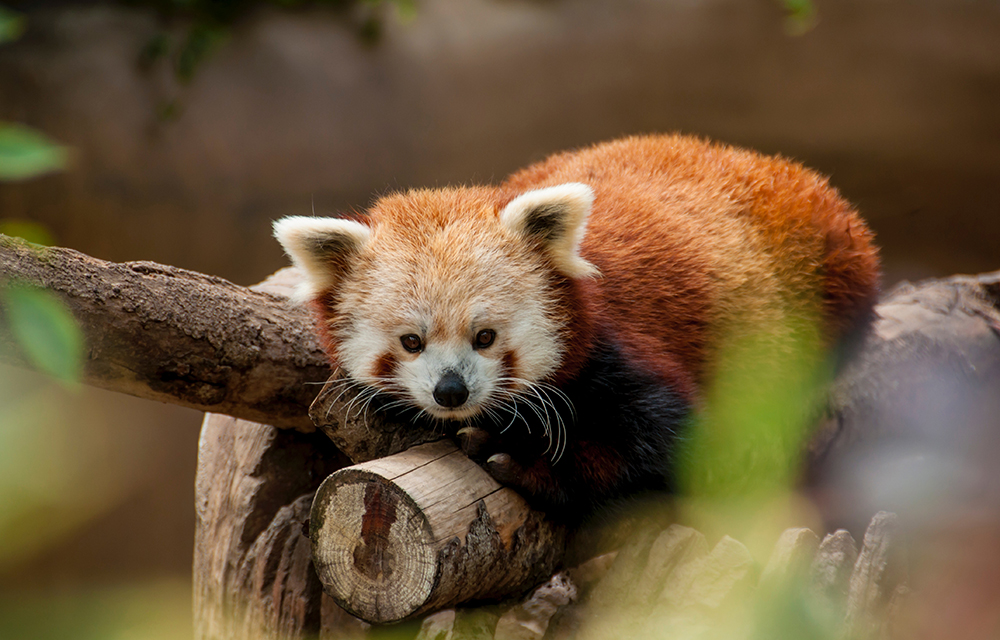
(742, 460)
(39, 322)
(147, 611)
(45, 331)
(740, 466)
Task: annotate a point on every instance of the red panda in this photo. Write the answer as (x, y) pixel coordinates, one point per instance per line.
(571, 318)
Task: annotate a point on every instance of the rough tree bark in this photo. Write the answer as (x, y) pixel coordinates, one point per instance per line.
(177, 336)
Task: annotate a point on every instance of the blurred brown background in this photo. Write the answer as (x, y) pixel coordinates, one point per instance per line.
(897, 101)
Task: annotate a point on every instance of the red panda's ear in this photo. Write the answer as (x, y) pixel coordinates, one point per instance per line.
(555, 217)
(323, 248)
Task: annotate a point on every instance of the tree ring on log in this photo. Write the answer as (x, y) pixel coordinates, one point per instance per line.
(385, 547)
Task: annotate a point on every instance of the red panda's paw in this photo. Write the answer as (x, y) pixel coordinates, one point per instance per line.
(507, 471)
(487, 449)
(474, 442)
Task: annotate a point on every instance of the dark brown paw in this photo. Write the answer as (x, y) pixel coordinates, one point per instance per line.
(473, 441)
(505, 470)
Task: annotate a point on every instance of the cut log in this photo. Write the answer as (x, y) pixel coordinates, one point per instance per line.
(676, 546)
(438, 626)
(727, 572)
(790, 560)
(426, 529)
(619, 584)
(163, 333)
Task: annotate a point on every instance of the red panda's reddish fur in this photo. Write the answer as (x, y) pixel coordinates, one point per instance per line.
(700, 247)
(652, 198)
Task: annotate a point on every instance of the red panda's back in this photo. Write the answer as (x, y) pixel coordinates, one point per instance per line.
(699, 243)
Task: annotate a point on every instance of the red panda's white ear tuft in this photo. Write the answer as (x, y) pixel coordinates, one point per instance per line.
(323, 248)
(556, 217)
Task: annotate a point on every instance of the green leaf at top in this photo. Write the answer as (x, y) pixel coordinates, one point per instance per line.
(45, 330)
(11, 25)
(33, 232)
(26, 153)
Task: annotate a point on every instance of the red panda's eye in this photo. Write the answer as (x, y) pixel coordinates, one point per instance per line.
(485, 338)
(412, 343)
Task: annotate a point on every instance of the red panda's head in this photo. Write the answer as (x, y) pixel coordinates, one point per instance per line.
(446, 299)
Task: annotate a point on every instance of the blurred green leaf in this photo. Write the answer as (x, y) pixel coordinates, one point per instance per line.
(12, 25)
(201, 41)
(26, 153)
(407, 9)
(800, 16)
(46, 331)
(747, 439)
(27, 230)
(799, 8)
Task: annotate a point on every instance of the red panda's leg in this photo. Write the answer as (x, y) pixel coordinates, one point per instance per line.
(587, 472)
(537, 481)
(533, 477)
(474, 441)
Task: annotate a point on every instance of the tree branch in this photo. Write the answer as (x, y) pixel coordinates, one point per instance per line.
(163, 333)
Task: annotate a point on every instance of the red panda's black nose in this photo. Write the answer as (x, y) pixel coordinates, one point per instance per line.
(450, 391)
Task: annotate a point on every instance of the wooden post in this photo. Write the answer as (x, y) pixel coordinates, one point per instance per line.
(424, 529)
(253, 575)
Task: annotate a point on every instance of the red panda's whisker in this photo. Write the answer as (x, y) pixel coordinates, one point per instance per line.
(493, 415)
(509, 406)
(560, 430)
(557, 433)
(561, 395)
(364, 397)
(518, 395)
(351, 384)
(512, 407)
(367, 404)
(545, 404)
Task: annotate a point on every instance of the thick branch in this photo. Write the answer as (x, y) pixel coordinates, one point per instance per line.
(177, 336)
(921, 397)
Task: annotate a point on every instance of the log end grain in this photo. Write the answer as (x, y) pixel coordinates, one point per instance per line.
(372, 546)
